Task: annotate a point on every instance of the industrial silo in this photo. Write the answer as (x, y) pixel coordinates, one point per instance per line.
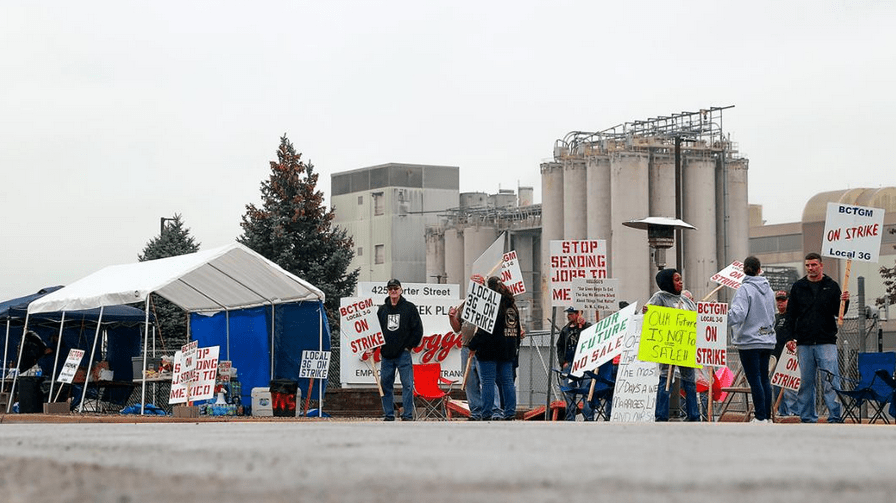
(574, 199)
(454, 257)
(699, 193)
(551, 222)
(526, 196)
(734, 223)
(662, 193)
(435, 255)
(630, 262)
(599, 222)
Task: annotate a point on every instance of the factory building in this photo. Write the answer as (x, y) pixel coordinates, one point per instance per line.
(386, 209)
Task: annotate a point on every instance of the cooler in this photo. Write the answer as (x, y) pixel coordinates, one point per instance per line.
(262, 404)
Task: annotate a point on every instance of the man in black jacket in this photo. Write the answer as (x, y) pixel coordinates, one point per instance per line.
(403, 330)
(811, 319)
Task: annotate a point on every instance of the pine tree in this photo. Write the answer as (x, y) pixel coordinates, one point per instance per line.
(294, 229)
(174, 239)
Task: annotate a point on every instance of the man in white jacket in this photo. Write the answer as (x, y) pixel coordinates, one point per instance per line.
(752, 316)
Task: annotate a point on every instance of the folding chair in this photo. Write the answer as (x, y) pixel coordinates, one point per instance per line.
(868, 389)
(602, 398)
(428, 391)
(887, 378)
(574, 390)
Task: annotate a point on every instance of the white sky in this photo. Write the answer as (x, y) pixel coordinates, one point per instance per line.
(116, 113)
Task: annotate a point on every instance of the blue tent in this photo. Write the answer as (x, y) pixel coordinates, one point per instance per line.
(248, 343)
(123, 324)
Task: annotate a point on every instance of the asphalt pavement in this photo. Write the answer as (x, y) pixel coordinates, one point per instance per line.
(365, 460)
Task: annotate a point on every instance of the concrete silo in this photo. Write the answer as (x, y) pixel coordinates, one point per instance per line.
(699, 192)
(575, 199)
(551, 222)
(435, 255)
(630, 262)
(598, 194)
(734, 224)
(662, 193)
(454, 256)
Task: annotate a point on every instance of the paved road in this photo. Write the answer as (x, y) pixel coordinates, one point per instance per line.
(362, 461)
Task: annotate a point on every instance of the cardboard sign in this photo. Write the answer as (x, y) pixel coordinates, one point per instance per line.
(731, 276)
(512, 275)
(602, 341)
(595, 294)
(787, 371)
(315, 364)
(634, 397)
(575, 259)
(200, 380)
(489, 263)
(852, 232)
(712, 334)
(360, 325)
(669, 335)
(70, 367)
(481, 307)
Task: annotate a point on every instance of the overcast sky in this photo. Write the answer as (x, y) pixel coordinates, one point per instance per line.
(116, 113)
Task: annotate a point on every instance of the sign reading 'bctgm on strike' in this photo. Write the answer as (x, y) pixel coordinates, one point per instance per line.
(852, 232)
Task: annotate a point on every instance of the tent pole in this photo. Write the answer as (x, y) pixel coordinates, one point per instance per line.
(96, 336)
(320, 346)
(145, 344)
(15, 377)
(56, 358)
(4, 367)
(273, 316)
(227, 323)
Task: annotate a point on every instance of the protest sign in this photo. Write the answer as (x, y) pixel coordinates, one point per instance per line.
(712, 320)
(634, 397)
(669, 335)
(852, 232)
(70, 367)
(595, 294)
(575, 259)
(315, 364)
(481, 307)
(602, 341)
(489, 262)
(787, 371)
(200, 378)
(731, 276)
(440, 343)
(511, 274)
(360, 325)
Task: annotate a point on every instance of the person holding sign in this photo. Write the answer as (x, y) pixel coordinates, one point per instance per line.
(403, 331)
(811, 319)
(496, 352)
(669, 295)
(788, 401)
(752, 316)
(566, 351)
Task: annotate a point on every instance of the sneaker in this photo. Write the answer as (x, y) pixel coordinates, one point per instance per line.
(407, 419)
(388, 418)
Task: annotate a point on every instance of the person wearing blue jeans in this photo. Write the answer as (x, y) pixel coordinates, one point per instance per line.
(752, 316)
(500, 373)
(811, 319)
(669, 295)
(473, 384)
(403, 331)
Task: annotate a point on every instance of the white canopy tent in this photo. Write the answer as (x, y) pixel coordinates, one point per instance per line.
(221, 279)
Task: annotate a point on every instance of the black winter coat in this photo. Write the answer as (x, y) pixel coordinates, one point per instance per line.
(810, 318)
(401, 325)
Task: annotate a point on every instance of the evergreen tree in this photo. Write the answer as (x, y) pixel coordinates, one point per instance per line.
(294, 229)
(174, 239)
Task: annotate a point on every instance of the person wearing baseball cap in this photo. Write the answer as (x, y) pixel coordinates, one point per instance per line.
(788, 401)
(403, 330)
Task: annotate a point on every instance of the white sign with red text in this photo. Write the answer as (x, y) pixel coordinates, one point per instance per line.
(200, 377)
(852, 232)
(712, 334)
(359, 325)
(787, 371)
(512, 275)
(731, 276)
(70, 367)
(575, 259)
(440, 344)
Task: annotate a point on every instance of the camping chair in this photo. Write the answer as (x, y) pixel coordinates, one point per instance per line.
(605, 383)
(574, 390)
(428, 390)
(868, 389)
(887, 378)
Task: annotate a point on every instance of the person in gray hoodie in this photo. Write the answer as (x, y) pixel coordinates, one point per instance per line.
(752, 316)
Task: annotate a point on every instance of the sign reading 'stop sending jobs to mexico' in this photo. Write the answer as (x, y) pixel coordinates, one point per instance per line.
(852, 232)
(575, 259)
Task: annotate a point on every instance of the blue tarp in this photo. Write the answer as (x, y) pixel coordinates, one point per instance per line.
(296, 329)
